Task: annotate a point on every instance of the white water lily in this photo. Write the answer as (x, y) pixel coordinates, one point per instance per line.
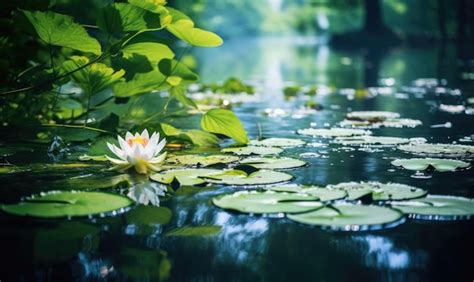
(139, 151)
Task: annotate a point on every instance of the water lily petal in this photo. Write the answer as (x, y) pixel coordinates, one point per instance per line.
(145, 134)
(159, 147)
(119, 153)
(128, 136)
(127, 150)
(116, 161)
(158, 159)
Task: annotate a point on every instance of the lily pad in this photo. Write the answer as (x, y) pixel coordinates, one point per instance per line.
(207, 230)
(323, 194)
(273, 163)
(372, 116)
(252, 150)
(278, 142)
(396, 122)
(346, 217)
(426, 163)
(68, 204)
(93, 182)
(148, 215)
(238, 177)
(379, 191)
(333, 132)
(437, 207)
(453, 150)
(184, 177)
(267, 202)
(201, 161)
(376, 140)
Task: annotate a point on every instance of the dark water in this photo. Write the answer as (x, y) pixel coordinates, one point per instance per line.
(254, 248)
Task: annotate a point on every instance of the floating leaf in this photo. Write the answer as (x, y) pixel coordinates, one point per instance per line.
(346, 217)
(267, 202)
(371, 116)
(323, 194)
(273, 163)
(453, 150)
(238, 177)
(197, 160)
(252, 150)
(225, 122)
(379, 191)
(396, 122)
(437, 207)
(333, 132)
(93, 182)
(376, 140)
(208, 230)
(148, 215)
(278, 142)
(61, 30)
(184, 177)
(437, 164)
(67, 204)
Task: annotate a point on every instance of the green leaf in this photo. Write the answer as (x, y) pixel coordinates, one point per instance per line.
(154, 6)
(252, 150)
(238, 177)
(225, 122)
(323, 194)
(273, 163)
(66, 204)
(195, 231)
(278, 142)
(333, 132)
(380, 191)
(194, 136)
(346, 217)
(173, 68)
(93, 78)
(201, 161)
(267, 202)
(61, 30)
(153, 51)
(437, 207)
(184, 177)
(148, 215)
(183, 28)
(119, 18)
(179, 92)
(90, 182)
(441, 165)
(141, 83)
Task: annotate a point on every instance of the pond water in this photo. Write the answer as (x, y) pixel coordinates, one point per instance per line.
(256, 248)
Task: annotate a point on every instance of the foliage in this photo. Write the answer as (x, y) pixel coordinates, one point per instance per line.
(81, 69)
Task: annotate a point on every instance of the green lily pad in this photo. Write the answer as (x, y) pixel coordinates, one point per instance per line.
(346, 217)
(372, 116)
(273, 163)
(333, 132)
(207, 230)
(252, 150)
(93, 182)
(148, 215)
(184, 177)
(426, 163)
(396, 122)
(375, 140)
(278, 142)
(323, 194)
(437, 207)
(379, 191)
(68, 204)
(238, 177)
(267, 202)
(452, 150)
(201, 161)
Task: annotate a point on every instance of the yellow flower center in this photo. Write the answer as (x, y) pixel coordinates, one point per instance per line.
(139, 140)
